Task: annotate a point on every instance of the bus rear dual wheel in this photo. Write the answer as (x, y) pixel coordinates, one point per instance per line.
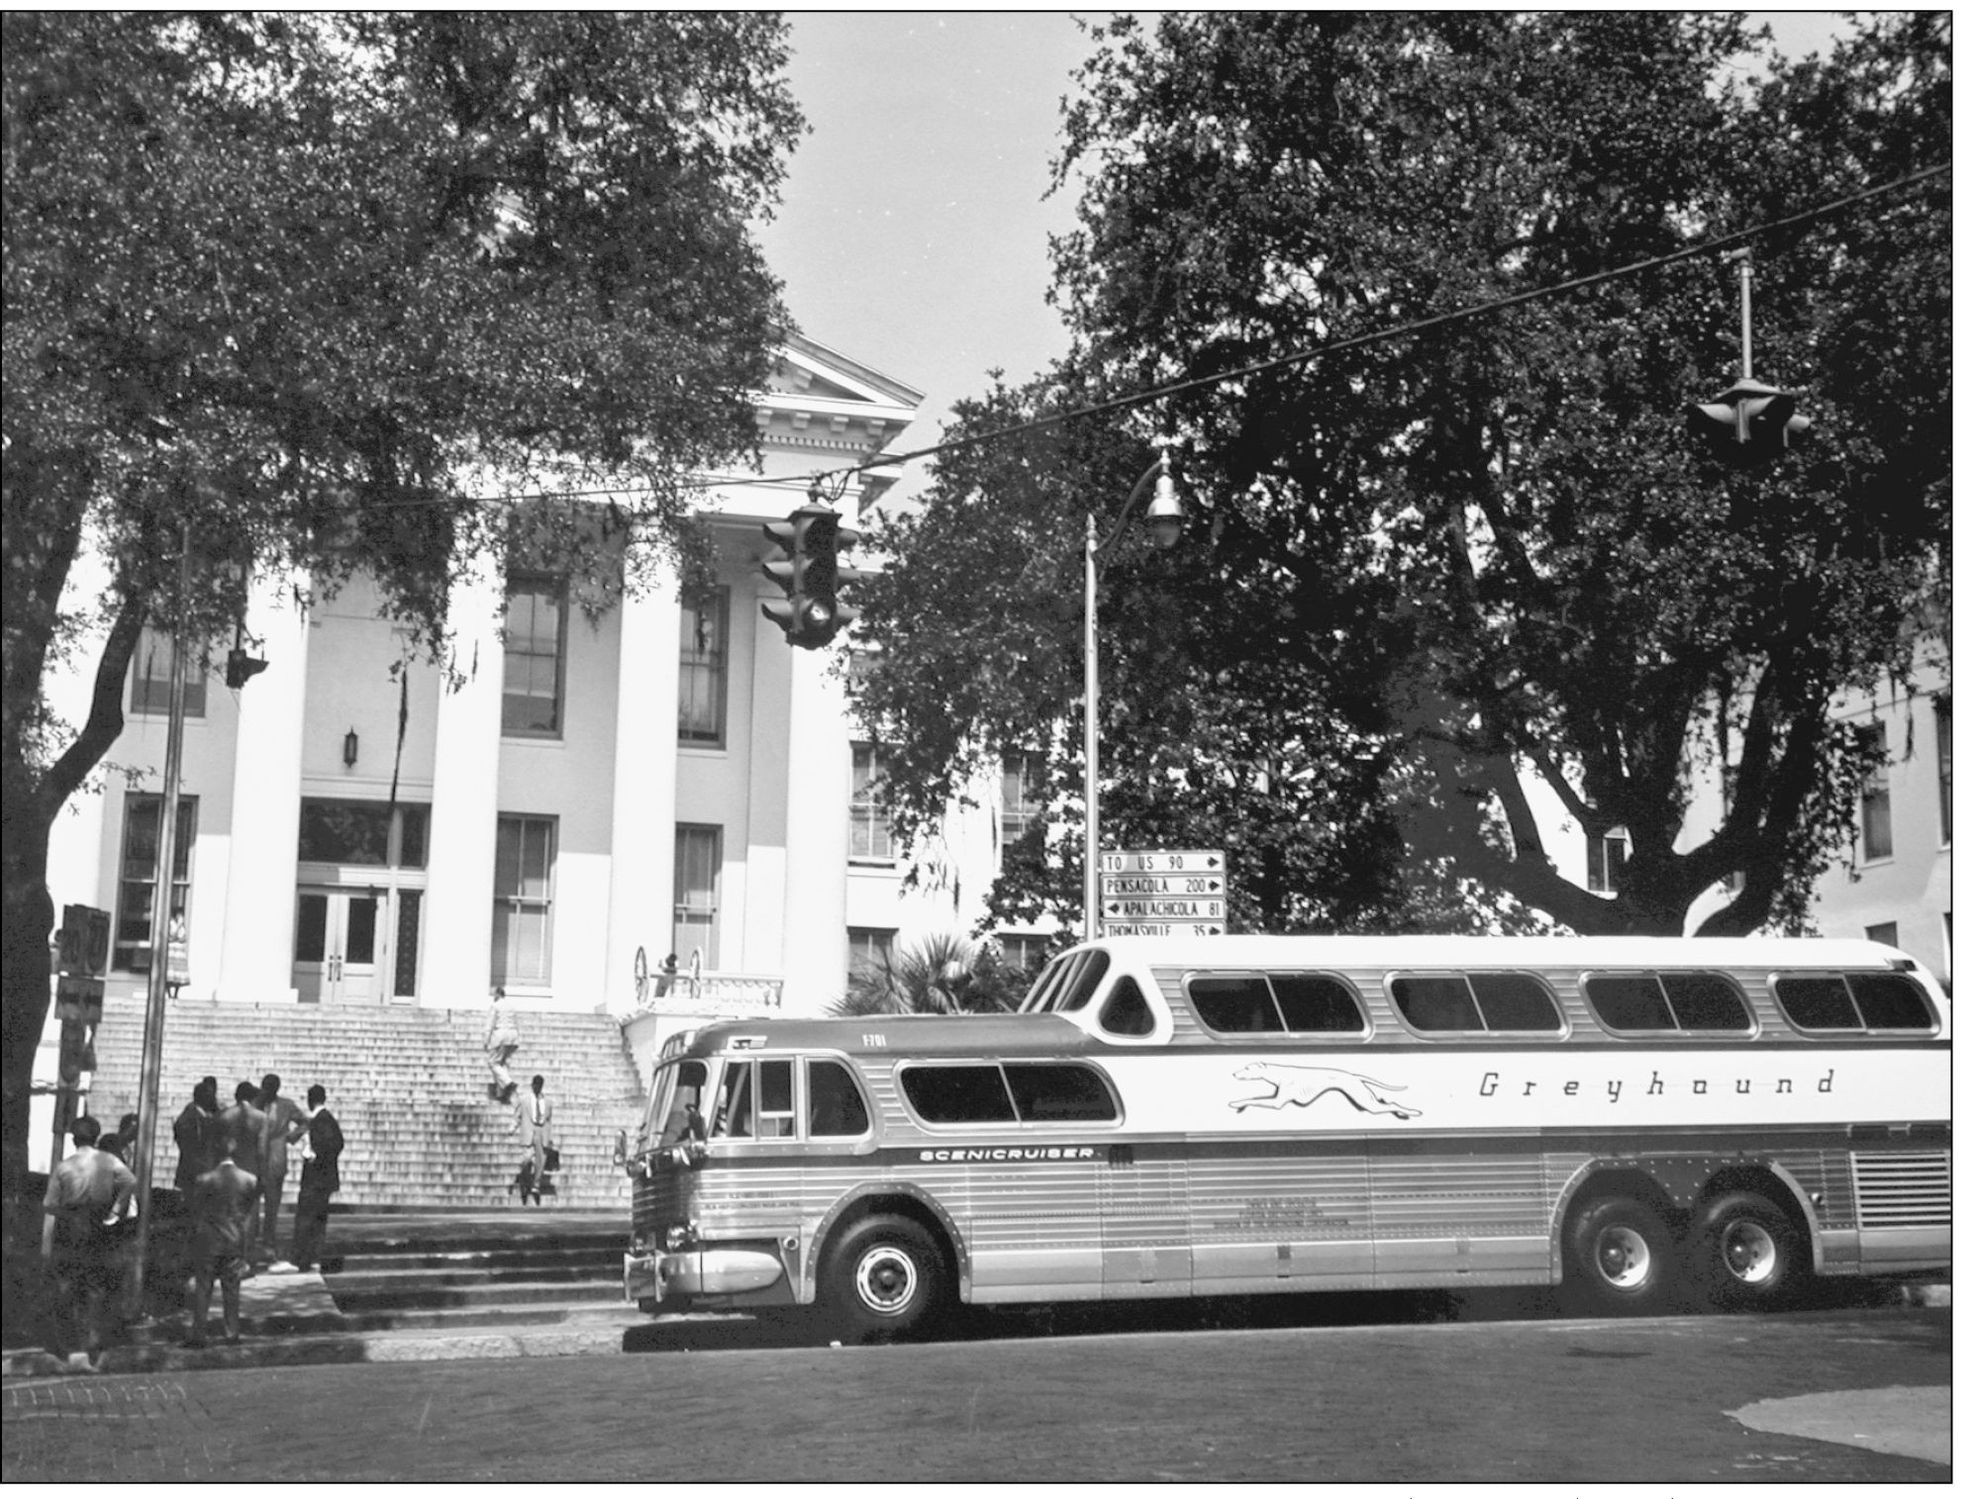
(1741, 1252)
(885, 1279)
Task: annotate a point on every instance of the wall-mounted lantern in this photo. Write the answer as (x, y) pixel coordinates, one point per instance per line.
(350, 749)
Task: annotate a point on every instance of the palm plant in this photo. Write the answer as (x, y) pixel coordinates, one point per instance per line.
(940, 974)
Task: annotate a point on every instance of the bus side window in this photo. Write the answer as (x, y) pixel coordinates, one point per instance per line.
(1515, 1002)
(1628, 1001)
(1890, 1002)
(1820, 1003)
(1436, 1004)
(1060, 1092)
(777, 1112)
(733, 1115)
(836, 1108)
(1125, 1011)
(966, 1094)
(1316, 1002)
(1706, 1002)
(1234, 1004)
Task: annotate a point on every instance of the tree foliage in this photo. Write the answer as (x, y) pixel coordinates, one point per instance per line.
(310, 288)
(943, 973)
(1432, 559)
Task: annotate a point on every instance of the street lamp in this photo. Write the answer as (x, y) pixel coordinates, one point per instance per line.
(1162, 518)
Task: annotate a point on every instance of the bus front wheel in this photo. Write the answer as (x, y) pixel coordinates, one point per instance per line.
(1747, 1252)
(885, 1279)
(1619, 1257)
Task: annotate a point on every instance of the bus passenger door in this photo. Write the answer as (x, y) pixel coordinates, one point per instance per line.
(1147, 1247)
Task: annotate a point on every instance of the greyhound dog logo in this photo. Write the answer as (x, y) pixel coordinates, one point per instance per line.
(1303, 1086)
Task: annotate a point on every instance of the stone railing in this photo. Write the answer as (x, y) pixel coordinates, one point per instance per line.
(726, 995)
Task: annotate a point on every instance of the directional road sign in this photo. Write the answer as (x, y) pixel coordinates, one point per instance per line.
(1163, 892)
(1163, 861)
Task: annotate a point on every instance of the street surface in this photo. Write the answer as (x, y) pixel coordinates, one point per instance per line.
(1548, 1400)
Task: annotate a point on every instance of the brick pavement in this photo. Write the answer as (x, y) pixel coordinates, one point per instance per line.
(89, 1429)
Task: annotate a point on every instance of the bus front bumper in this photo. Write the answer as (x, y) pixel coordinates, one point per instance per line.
(700, 1272)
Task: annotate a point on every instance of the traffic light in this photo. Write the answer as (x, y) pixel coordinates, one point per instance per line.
(810, 614)
(1749, 422)
(240, 667)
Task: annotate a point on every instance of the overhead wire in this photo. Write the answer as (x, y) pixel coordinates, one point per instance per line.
(813, 479)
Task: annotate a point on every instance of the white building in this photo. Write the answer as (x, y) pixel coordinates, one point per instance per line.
(1895, 884)
(677, 780)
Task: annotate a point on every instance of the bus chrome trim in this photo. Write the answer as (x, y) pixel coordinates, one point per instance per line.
(718, 1272)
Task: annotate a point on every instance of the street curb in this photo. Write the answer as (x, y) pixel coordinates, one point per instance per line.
(329, 1348)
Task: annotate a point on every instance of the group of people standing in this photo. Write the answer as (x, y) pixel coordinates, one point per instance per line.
(232, 1166)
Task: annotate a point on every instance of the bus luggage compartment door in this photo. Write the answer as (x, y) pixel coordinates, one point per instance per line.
(1147, 1247)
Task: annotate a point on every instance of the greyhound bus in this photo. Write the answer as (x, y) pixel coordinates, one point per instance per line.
(1645, 1121)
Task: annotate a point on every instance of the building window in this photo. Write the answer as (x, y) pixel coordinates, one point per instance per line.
(1605, 855)
(1944, 763)
(150, 677)
(524, 894)
(360, 832)
(696, 894)
(137, 884)
(1887, 932)
(532, 669)
(1024, 954)
(870, 825)
(870, 953)
(1022, 782)
(703, 668)
(1875, 803)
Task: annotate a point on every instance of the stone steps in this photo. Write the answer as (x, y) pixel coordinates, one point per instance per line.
(408, 1086)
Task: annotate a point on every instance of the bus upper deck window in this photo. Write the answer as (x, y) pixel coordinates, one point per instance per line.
(1628, 1001)
(1890, 1002)
(1083, 983)
(836, 1107)
(1234, 1004)
(1706, 1002)
(1316, 1003)
(1125, 1012)
(1436, 1004)
(1515, 1002)
(1817, 1003)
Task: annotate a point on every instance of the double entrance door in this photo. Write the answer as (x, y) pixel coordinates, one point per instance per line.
(339, 945)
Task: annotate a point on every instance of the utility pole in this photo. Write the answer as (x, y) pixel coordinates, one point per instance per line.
(161, 903)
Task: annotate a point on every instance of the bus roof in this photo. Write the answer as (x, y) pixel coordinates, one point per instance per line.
(1416, 951)
(948, 1035)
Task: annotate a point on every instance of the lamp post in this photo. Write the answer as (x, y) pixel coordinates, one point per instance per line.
(1163, 518)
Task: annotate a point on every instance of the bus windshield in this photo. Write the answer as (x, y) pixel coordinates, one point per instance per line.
(676, 1094)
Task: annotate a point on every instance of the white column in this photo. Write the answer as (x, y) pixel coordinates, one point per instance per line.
(459, 901)
(753, 939)
(256, 941)
(815, 947)
(644, 785)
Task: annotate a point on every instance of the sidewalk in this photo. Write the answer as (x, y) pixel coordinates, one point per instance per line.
(290, 1318)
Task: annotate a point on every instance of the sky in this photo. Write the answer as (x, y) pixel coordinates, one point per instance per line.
(914, 228)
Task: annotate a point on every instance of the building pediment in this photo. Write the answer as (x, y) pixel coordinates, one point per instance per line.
(828, 407)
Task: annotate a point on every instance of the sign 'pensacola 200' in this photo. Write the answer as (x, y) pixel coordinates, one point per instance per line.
(1163, 892)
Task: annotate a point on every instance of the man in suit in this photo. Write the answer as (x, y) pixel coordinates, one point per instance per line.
(195, 1132)
(536, 1115)
(285, 1123)
(321, 1149)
